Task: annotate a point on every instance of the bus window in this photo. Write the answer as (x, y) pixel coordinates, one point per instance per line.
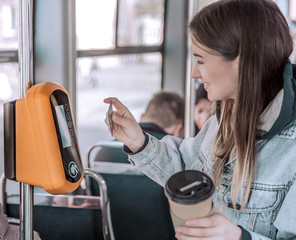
(120, 53)
(140, 23)
(133, 78)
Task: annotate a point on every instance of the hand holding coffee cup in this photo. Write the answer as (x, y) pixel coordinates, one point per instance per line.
(189, 194)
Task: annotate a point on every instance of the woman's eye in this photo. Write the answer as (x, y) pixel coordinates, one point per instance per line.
(199, 62)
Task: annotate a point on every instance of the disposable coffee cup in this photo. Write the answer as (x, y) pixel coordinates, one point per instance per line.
(189, 194)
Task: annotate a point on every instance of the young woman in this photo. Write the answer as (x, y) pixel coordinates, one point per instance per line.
(248, 148)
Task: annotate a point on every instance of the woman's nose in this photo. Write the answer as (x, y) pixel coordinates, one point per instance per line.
(195, 73)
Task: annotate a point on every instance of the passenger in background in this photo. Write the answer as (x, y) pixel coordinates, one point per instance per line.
(202, 108)
(164, 115)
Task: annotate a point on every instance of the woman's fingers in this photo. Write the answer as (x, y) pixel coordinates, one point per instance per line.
(120, 108)
(109, 99)
(199, 232)
(213, 227)
(122, 121)
(122, 116)
(125, 127)
(209, 221)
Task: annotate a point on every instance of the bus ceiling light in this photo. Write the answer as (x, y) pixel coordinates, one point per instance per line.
(40, 143)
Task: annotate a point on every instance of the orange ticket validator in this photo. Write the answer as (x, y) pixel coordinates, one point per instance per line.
(41, 146)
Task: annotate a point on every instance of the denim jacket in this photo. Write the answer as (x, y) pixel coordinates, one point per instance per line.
(271, 209)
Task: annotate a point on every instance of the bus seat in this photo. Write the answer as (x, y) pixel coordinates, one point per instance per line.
(67, 217)
(139, 208)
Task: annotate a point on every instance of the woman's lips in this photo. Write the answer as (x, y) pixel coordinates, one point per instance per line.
(206, 86)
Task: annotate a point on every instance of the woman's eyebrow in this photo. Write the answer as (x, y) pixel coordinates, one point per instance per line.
(197, 55)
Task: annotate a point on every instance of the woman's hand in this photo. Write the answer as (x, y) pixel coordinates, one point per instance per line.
(215, 227)
(125, 127)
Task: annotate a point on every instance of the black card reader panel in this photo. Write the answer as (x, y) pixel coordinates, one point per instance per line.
(66, 135)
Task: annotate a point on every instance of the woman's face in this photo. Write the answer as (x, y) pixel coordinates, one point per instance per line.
(220, 77)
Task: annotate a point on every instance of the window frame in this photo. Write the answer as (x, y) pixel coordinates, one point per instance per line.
(118, 50)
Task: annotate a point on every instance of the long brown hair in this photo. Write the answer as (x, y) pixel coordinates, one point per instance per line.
(257, 32)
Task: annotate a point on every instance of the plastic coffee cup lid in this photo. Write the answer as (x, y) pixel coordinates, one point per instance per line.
(189, 187)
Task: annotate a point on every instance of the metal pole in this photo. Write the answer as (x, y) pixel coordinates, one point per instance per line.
(3, 192)
(189, 91)
(26, 79)
(71, 57)
(105, 204)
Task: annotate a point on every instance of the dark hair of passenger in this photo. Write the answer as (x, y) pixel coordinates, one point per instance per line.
(255, 31)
